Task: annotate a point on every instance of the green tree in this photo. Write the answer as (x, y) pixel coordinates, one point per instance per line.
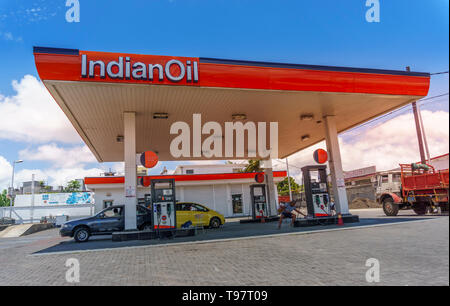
(4, 201)
(283, 186)
(73, 186)
(254, 165)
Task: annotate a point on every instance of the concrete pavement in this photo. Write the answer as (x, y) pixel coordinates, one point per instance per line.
(410, 253)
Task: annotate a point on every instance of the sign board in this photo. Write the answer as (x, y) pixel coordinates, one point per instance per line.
(96, 66)
(259, 178)
(320, 156)
(149, 159)
(50, 199)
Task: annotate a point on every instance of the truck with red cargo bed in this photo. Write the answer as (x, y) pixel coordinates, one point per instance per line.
(422, 188)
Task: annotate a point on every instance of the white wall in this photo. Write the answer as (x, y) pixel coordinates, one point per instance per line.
(23, 214)
(208, 169)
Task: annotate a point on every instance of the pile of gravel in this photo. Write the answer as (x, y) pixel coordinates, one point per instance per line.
(359, 203)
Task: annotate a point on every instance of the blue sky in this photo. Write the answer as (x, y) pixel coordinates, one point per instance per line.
(410, 33)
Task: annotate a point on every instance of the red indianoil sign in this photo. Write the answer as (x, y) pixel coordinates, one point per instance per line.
(91, 66)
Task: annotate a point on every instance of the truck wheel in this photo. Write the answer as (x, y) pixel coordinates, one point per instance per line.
(81, 234)
(389, 207)
(420, 208)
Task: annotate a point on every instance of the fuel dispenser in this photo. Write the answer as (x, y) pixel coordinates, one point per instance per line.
(163, 202)
(316, 191)
(259, 201)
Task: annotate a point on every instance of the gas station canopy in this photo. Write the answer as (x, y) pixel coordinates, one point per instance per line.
(94, 89)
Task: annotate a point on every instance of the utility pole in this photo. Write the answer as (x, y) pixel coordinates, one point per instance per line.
(424, 135)
(418, 127)
(419, 133)
(289, 180)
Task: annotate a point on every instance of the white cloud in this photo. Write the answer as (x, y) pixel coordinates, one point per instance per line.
(10, 37)
(56, 176)
(33, 116)
(24, 175)
(395, 141)
(5, 173)
(58, 156)
(60, 177)
(52, 176)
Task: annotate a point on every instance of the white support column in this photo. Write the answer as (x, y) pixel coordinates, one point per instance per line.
(129, 119)
(335, 164)
(214, 196)
(270, 185)
(229, 201)
(181, 194)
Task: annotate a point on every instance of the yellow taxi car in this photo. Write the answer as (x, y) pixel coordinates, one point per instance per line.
(194, 214)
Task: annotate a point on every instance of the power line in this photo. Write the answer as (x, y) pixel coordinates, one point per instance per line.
(436, 73)
(429, 98)
(432, 102)
(394, 111)
(403, 109)
(290, 165)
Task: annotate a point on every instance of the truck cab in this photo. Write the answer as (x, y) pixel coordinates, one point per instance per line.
(388, 183)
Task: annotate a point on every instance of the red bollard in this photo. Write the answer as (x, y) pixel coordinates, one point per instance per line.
(340, 220)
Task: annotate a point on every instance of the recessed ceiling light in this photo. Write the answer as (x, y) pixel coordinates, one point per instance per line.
(306, 137)
(160, 115)
(239, 116)
(306, 117)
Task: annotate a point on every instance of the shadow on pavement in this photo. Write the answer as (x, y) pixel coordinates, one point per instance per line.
(230, 230)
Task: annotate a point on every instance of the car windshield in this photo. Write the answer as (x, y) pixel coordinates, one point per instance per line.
(198, 207)
(110, 212)
(184, 206)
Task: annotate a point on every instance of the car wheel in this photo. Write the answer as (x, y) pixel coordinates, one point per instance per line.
(81, 234)
(214, 223)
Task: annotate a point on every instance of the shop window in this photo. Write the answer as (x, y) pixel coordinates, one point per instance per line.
(237, 203)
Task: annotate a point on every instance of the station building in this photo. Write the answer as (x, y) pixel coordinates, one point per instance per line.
(222, 188)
